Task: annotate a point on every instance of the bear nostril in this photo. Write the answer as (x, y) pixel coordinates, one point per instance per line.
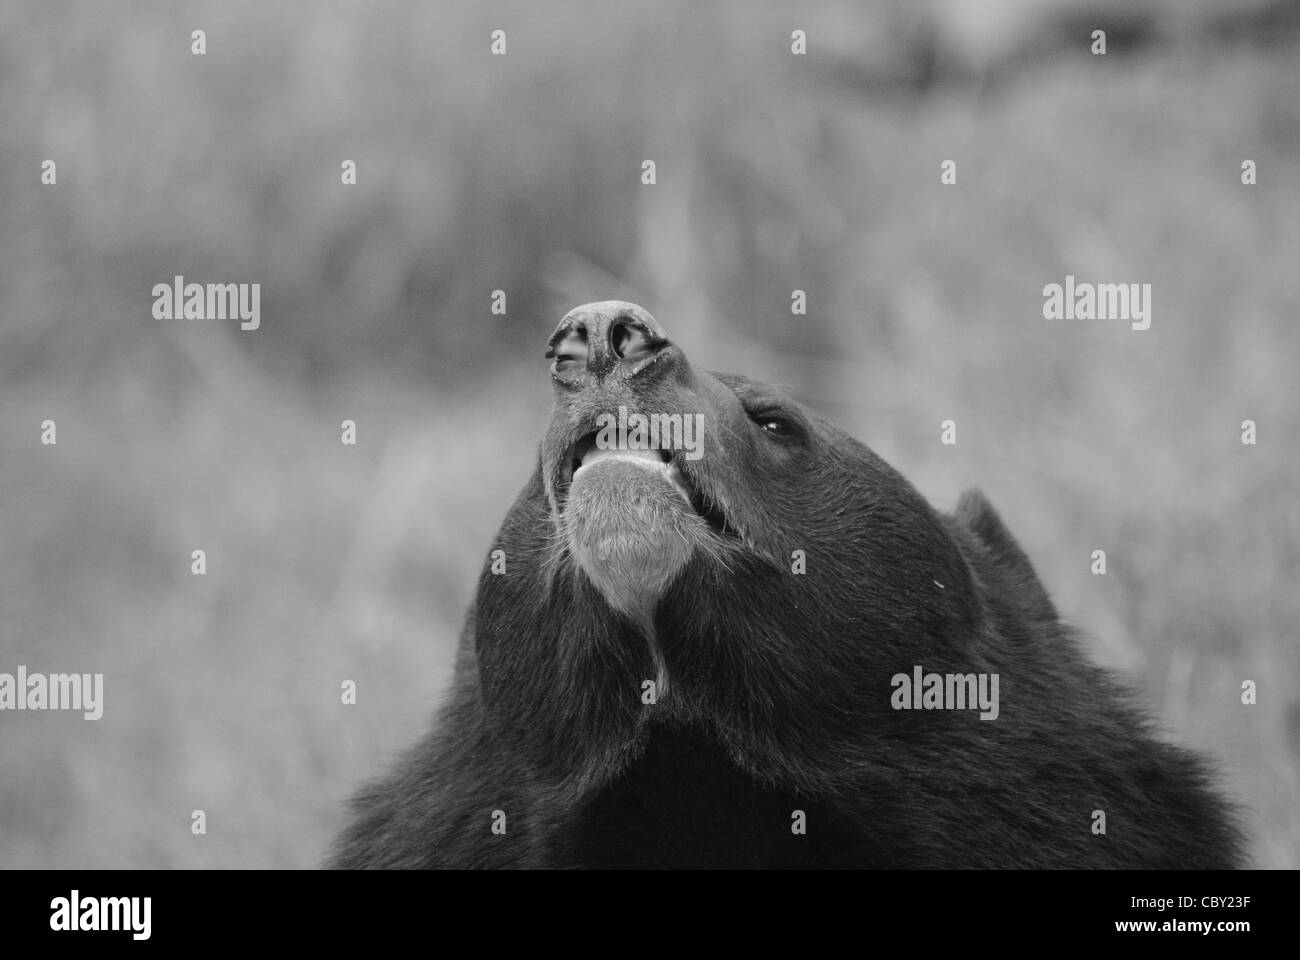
(629, 341)
(600, 338)
(572, 347)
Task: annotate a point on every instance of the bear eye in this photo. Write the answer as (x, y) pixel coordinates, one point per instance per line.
(776, 424)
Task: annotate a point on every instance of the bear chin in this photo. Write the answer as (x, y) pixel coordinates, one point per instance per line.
(631, 530)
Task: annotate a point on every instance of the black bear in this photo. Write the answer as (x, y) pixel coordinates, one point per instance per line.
(716, 631)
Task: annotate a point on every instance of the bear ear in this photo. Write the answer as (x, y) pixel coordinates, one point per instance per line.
(977, 515)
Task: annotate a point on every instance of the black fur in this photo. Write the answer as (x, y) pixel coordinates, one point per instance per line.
(778, 694)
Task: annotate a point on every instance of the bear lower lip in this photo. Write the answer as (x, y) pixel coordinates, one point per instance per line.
(644, 460)
(584, 456)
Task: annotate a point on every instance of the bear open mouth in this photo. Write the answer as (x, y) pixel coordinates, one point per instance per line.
(585, 452)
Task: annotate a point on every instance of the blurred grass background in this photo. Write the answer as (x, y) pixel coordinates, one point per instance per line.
(521, 173)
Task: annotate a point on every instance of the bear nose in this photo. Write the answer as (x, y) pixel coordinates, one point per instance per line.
(602, 337)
